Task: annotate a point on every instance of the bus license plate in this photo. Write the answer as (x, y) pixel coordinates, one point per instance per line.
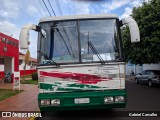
(81, 100)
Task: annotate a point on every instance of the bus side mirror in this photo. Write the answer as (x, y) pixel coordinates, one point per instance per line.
(133, 27)
(24, 35)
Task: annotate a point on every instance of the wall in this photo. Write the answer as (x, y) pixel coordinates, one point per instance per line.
(28, 67)
(10, 48)
(138, 69)
(27, 72)
(1, 73)
(151, 66)
(9, 64)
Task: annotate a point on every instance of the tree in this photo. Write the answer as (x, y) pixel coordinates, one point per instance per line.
(148, 20)
(27, 58)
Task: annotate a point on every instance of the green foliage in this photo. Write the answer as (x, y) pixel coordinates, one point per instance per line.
(35, 76)
(147, 17)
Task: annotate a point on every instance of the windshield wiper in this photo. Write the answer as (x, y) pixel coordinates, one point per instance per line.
(96, 52)
(63, 41)
(47, 58)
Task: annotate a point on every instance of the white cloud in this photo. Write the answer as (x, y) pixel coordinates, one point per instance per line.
(126, 13)
(114, 4)
(38, 7)
(32, 10)
(128, 10)
(9, 9)
(4, 13)
(82, 7)
(74, 7)
(9, 29)
(136, 3)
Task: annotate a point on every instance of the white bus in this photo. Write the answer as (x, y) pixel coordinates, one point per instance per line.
(80, 61)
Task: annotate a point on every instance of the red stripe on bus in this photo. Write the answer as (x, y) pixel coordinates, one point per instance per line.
(82, 78)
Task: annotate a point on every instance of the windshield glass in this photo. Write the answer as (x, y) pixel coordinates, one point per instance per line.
(101, 33)
(79, 41)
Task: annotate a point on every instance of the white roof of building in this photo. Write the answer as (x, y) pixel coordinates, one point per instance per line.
(22, 57)
(73, 17)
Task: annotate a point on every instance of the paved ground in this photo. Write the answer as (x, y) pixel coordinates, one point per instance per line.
(24, 101)
(6, 86)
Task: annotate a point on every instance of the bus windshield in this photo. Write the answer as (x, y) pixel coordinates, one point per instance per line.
(79, 41)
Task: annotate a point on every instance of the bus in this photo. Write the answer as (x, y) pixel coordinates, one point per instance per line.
(80, 61)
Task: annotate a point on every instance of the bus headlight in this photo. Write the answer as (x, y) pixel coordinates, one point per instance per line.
(108, 100)
(45, 102)
(55, 102)
(119, 99)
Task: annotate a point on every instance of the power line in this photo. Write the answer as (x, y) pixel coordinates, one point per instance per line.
(51, 7)
(37, 8)
(43, 8)
(46, 8)
(64, 41)
(62, 24)
(64, 30)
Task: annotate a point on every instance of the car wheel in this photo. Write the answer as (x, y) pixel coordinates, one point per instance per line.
(137, 81)
(150, 83)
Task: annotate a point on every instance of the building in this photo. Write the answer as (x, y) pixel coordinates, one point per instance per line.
(9, 56)
(11, 60)
(30, 68)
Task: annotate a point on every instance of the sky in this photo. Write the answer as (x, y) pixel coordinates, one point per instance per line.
(16, 13)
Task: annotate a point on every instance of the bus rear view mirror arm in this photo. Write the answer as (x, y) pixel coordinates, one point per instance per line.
(133, 27)
(24, 34)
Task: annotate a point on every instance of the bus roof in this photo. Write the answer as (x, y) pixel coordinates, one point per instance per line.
(74, 17)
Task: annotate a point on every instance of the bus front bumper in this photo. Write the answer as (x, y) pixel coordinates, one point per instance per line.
(82, 100)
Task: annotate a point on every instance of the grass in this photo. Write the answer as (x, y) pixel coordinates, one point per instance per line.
(5, 93)
(34, 82)
(30, 81)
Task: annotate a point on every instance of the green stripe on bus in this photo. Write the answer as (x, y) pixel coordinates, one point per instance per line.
(70, 87)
